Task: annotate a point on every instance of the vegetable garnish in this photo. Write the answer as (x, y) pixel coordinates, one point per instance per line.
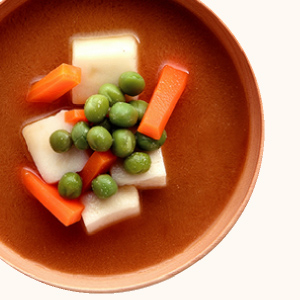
(100, 213)
(131, 83)
(155, 177)
(75, 115)
(104, 186)
(102, 60)
(60, 141)
(50, 164)
(170, 86)
(137, 163)
(70, 185)
(98, 163)
(55, 84)
(121, 155)
(66, 211)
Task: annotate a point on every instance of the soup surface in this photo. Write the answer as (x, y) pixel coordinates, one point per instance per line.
(204, 153)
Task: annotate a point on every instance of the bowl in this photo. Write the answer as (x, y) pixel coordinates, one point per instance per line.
(219, 124)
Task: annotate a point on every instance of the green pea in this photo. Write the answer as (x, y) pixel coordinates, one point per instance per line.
(131, 83)
(147, 143)
(112, 92)
(137, 163)
(70, 185)
(123, 115)
(140, 106)
(104, 186)
(123, 142)
(79, 135)
(60, 141)
(99, 139)
(96, 108)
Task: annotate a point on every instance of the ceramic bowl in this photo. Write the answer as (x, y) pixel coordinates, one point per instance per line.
(202, 244)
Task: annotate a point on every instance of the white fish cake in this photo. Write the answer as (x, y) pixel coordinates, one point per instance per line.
(155, 177)
(100, 213)
(50, 164)
(102, 60)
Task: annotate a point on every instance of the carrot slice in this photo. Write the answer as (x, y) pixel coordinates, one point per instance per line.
(75, 115)
(170, 86)
(98, 163)
(66, 211)
(55, 84)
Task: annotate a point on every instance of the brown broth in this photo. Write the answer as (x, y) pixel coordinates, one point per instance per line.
(204, 153)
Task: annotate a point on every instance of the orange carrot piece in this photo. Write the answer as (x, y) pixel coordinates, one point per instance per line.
(75, 115)
(55, 84)
(171, 85)
(98, 163)
(66, 211)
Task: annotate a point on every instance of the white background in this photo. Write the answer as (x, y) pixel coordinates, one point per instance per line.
(260, 257)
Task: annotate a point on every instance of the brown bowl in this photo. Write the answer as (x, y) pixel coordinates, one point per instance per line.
(227, 79)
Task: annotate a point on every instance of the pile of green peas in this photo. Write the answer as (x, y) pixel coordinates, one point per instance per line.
(111, 123)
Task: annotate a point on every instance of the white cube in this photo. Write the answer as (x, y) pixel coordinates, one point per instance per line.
(50, 164)
(100, 213)
(155, 177)
(102, 60)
